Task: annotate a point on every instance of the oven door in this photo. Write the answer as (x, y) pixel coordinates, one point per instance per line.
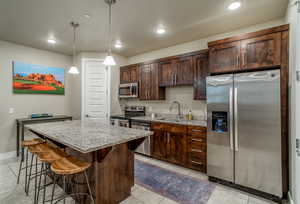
(128, 90)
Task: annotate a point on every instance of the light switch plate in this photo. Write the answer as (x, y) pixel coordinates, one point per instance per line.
(11, 110)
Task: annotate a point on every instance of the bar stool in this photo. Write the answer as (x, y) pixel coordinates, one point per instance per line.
(35, 150)
(28, 144)
(70, 166)
(47, 157)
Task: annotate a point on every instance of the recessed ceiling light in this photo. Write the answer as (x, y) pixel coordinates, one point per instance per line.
(234, 5)
(87, 16)
(118, 45)
(51, 41)
(161, 31)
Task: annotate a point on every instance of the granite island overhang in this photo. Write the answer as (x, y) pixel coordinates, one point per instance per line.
(109, 148)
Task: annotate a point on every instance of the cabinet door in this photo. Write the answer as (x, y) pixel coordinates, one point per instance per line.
(224, 57)
(184, 73)
(134, 74)
(167, 74)
(158, 141)
(176, 144)
(261, 52)
(145, 77)
(124, 76)
(200, 74)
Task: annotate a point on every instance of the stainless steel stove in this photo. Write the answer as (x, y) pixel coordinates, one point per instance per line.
(129, 112)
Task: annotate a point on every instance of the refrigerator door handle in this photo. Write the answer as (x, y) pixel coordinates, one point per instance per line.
(236, 135)
(231, 117)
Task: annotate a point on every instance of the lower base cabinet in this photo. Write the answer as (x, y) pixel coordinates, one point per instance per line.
(180, 144)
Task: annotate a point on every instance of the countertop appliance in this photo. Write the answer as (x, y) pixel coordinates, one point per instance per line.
(144, 148)
(244, 130)
(128, 90)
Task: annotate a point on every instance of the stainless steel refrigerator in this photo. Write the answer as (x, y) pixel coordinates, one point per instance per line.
(244, 130)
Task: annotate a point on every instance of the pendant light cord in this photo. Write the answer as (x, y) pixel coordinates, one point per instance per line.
(109, 30)
(74, 43)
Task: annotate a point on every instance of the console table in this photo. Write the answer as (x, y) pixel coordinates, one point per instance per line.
(21, 122)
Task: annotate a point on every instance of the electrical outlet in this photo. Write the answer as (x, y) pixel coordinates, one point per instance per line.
(11, 110)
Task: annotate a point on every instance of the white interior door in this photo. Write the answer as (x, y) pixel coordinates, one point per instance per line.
(95, 89)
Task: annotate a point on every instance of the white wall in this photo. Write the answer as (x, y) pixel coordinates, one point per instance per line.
(115, 81)
(185, 94)
(26, 104)
(291, 17)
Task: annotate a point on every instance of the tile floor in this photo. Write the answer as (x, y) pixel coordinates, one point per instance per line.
(10, 193)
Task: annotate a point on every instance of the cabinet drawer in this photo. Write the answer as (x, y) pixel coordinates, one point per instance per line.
(197, 156)
(197, 165)
(158, 126)
(197, 132)
(201, 139)
(198, 147)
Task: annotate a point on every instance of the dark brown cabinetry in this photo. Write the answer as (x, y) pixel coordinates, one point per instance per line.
(224, 57)
(129, 74)
(261, 52)
(200, 73)
(180, 144)
(252, 51)
(176, 72)
(169, 142)
(196, 158)
(149, 89)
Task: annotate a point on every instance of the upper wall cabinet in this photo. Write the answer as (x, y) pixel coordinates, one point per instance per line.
(200, 62)
(224, 57)
(149, 89)
(184, 71)
(261, 52)
(176, 72)
(129, 74)
(252, 51)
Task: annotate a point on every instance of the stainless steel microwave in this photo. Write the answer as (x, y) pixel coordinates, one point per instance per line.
(128, 90)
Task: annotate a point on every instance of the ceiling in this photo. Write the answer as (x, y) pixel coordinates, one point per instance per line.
(32, 22)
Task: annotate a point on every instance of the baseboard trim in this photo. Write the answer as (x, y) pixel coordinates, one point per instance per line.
(8, 155)
(291, 201)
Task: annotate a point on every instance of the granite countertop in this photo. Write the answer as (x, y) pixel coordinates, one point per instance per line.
(202, 123)
(89, 135)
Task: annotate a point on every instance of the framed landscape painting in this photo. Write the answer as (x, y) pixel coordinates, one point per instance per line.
(37, 79)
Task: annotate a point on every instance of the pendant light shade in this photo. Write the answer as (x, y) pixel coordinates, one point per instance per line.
(109, 60)
(73, 69)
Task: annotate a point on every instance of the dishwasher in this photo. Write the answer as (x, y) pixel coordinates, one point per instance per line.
(145, 147)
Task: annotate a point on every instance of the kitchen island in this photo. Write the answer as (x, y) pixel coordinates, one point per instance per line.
(110, 149)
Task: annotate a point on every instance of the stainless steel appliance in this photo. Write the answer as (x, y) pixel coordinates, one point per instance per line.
(128, 90)
(144, 148)
(129, 112)
(244, 130)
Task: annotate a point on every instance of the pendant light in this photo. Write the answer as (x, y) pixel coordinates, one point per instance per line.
(73, 69)
(109, 60)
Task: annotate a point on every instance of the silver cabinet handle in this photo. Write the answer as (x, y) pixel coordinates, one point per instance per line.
(199, 163)
(196, 150)
(199, 140)
(231, 118)
(236, 134)
(203, 131)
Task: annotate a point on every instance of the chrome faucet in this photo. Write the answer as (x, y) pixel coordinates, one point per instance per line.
(179, 115)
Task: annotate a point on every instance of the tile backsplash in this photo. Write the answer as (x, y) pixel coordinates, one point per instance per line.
(184, 95)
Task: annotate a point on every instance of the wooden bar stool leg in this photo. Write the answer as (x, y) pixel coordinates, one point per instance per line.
(30, 172)
(88, 184)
